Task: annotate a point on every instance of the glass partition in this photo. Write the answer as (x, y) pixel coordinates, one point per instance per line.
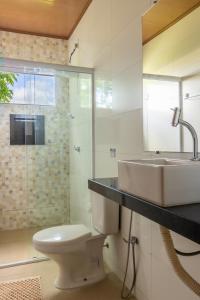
(44, 183)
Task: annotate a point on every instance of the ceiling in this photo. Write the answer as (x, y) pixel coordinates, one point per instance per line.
(52, 18)
(164, 14)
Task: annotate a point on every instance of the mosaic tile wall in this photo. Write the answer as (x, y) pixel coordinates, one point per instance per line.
(34, 188)
(34, 48)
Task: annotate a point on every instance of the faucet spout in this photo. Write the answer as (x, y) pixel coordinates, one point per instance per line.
(176, 121)
(194, 137)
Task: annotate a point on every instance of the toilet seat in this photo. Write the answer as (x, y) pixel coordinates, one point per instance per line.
(59, 236)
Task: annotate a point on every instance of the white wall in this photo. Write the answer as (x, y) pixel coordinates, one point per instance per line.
(181, 43)
(109, 38)
(191, 108)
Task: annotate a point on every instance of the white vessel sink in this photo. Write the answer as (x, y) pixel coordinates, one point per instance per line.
(165, 182)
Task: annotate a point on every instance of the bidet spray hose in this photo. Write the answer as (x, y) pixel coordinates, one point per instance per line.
(131, 241)
(178, 268)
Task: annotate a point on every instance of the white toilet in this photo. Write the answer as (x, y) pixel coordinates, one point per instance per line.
(78, 250)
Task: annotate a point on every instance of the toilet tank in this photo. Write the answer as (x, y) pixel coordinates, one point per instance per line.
(105, 214)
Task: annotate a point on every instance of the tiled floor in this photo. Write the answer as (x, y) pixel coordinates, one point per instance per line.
(108, 289)
(17, 245)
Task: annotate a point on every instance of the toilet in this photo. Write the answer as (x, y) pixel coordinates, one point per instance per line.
(77, 249)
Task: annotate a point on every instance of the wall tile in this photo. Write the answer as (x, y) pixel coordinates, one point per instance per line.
(166, 285)
(127, 90)
(122, 14)
(125, 50)
(118, 65)
(34, 179)
(34, 48)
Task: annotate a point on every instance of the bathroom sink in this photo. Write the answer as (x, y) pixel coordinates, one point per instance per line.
(165, 182)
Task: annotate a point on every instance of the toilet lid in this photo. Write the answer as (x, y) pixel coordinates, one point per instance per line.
(62, 234)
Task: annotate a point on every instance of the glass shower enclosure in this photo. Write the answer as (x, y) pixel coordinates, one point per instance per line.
(46, 152)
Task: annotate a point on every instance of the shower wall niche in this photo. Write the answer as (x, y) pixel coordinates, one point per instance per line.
(34, 160)
(27, 130)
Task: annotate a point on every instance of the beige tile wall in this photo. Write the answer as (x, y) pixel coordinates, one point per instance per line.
(34, 189)
(33, 48)
(109, 38)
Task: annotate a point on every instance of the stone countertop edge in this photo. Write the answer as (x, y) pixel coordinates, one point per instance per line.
(182, 219)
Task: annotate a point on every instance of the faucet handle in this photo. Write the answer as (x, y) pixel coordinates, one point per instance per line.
(176, 116)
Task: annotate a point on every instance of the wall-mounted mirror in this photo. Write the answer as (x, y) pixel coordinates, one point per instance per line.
(171, 73)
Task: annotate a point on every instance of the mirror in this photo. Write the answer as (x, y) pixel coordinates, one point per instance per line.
(171, 73)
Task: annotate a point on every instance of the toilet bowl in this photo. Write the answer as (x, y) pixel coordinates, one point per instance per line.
(77, 251)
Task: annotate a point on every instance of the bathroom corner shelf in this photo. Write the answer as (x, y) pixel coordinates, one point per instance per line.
(183, 219)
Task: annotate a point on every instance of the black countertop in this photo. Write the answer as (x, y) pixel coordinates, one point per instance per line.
(183, 219)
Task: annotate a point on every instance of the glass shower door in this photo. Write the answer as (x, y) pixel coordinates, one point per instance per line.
(81, 147)
(44, 170)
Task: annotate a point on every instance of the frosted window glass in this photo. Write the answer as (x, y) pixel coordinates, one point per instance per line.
(85, 90)
(28, 89)
(104, 93)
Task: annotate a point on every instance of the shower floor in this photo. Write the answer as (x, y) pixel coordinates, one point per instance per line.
(16, 245)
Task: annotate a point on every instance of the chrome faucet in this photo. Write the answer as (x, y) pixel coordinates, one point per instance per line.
(176, 120)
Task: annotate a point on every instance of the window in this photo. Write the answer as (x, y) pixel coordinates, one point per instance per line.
(33, 89)
(160, 95)
(84, 82)
(104, 94)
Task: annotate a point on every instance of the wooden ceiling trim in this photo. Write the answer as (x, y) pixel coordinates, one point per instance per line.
(34, 33)
(79, 19)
